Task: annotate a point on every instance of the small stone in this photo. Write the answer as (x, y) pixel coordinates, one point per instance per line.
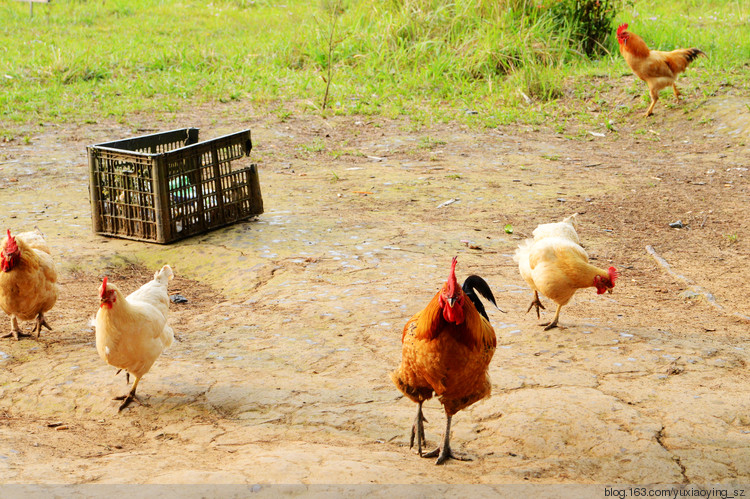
(178, 299)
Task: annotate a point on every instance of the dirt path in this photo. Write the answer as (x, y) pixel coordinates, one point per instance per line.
(294, 320)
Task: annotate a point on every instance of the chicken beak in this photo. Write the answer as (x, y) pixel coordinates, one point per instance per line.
(451, 301)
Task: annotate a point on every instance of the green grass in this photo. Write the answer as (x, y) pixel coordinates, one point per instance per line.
(480, 62)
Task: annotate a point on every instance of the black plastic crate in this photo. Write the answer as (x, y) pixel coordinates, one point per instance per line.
(168, 186)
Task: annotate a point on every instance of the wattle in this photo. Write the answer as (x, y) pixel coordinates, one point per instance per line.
(454, 315)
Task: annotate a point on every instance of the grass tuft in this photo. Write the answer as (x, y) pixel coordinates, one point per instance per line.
(482, 62)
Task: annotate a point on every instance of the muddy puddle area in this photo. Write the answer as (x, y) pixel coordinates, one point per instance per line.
(294, 319)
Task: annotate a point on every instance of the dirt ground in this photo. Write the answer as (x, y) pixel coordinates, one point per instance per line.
(293, 320)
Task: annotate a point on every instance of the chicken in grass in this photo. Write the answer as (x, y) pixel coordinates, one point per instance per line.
(555, 265)
(28, 281)
(132, 331)
(658, 69)
(446, 350)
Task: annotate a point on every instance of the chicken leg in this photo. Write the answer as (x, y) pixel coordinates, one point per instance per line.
(537, 303)
(444, 452)
(553, 322)
(15, 331)
(40, 321)
(654, 93)
(676, 92)
(127, 399)
(418, 430)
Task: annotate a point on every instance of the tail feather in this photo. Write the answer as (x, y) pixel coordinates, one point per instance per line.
(523, 249)
(476, 283)
(571, 220)
(693, 53)
(678, 60)
(164, 275)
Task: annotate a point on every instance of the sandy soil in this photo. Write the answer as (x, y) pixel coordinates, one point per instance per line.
(293, 323)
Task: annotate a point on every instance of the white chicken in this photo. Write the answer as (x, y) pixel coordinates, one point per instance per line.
(565, 229)
(28, 280)
(132, 332)
(553, 263)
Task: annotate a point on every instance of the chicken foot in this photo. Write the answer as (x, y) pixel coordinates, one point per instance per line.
(553, 323)
(537, 303)
(127, 376)
(15, 331)
(40, 322)
(444, 452)
(127, 399)
(418, 430)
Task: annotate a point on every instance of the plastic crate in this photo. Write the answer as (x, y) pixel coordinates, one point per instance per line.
(168, 186)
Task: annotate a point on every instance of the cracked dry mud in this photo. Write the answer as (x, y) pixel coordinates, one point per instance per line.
(280, 374)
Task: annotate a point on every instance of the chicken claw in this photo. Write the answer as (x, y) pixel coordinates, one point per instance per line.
(444, 452)
(553, 322)
(15, 334)
(549, 325)
(127, 399)
(15, 331)
(538, 304)
(40, 322)
(418, 430)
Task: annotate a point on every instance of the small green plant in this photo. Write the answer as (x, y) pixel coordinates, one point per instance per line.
(335, 12)
(283, 115)
(732, 238)
(430, 143)
(590, 22)
(454, 176)
(334, 177)
(317, 146)
(551, 157)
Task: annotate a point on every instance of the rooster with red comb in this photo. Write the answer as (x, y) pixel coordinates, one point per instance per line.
(657, 68)
(446, 350)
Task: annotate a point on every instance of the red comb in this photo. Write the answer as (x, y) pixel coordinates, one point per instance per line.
(613, 274)
(621, 28)
(104, 287)
(452, 282)
(11, 247)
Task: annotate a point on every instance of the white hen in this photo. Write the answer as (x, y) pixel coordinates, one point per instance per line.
(132, 332)
(554, 264)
